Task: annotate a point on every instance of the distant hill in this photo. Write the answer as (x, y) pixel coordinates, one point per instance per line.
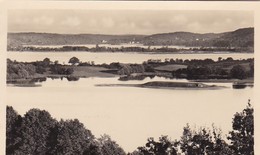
(181, 38)
(239, 38)
(16, 39)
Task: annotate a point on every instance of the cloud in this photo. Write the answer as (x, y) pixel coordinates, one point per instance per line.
(21, 21)
(228, 20)
(127, 21)
(43, 20)
(146, 24)
(194, 27)
(179, 19)
(244, 24)
(71, 21)
(92, 23)
(107, 22)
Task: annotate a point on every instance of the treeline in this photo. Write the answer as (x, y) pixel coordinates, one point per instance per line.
(164, 49)
(206, 69)
(38, 133)
(28, 70)
(195, 68)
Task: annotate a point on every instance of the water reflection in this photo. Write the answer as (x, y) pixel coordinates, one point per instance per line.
(72, 78)
(242, 85)
(128, 80)
(135, 77)
(35, 82)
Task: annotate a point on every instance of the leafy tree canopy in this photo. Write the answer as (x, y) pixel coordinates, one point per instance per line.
(74, 60)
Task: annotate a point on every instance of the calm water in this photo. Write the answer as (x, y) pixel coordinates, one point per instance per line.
(108, 57)
(129, 114)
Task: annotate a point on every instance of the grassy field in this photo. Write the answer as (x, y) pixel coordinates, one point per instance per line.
(170, 68)
(228, 66)
(90, 71)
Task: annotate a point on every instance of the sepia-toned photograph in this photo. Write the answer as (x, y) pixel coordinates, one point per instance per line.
(130, 82)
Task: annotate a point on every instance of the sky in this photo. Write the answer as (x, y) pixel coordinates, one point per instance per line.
(127, 21)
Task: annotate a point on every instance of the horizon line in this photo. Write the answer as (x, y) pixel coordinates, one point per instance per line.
(128, 34)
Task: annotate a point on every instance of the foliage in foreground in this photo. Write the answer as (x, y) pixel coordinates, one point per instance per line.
(242, 136)
(205, 141)
(38, 133)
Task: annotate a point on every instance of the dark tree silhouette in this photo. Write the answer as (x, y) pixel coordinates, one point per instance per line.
(74, 60)
(13, 123)
(38, 133)
(203, 141)
(109, 147)
(195, 143)
(72, 138)
(35, 130)
(242, 136)
(238, 72)
(163, 147)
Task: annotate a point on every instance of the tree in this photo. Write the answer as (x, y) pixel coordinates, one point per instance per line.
(38, 133)
(70, 137)
(35, 131)
(109, 147)
(163, 147)
(242, 136)
(46, 62)
(198, 72)
(136, 152)
(74, 60)
(220, 146)
(202, 141)
(11, 118)
(238, 72)
(20, 70)
(229, 59)
(56, 62)
(13, 123)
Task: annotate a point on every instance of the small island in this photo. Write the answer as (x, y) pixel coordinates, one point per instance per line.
(167, 85)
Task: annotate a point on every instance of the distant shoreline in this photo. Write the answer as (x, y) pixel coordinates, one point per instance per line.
(186, 52)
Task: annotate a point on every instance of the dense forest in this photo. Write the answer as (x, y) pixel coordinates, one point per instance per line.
(37, 132)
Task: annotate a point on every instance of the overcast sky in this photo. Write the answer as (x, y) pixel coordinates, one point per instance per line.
(126, 21)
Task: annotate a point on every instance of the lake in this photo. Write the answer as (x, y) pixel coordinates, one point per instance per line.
(108, 57)
(129, 114)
